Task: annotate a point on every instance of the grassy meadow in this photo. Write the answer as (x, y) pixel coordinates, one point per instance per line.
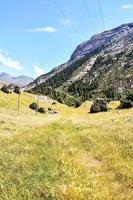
(72, 155)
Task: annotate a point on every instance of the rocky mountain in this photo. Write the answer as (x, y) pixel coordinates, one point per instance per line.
(21, 81)
(101, 66)
(101, 39)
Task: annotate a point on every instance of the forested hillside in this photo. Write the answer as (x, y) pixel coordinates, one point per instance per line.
(102, 66)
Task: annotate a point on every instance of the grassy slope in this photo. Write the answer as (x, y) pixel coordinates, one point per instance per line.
(70, 156)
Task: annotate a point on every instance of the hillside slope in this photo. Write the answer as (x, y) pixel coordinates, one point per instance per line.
(102, 65)
(74, 155)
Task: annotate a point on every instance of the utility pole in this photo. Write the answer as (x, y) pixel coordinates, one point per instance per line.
(18, 101)
(37, 101)
(37, 104)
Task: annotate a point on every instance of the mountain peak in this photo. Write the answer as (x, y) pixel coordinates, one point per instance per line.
(21, 80)
(102, 65)
(98, 40)
(4, 74)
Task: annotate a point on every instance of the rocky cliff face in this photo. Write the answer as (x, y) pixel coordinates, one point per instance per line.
(101, 39)
(102, 64)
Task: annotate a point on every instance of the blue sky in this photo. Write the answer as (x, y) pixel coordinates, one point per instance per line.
(35, 36)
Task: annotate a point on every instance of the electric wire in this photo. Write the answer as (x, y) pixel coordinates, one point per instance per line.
(101, 15)
(89, 14)
(65, 17)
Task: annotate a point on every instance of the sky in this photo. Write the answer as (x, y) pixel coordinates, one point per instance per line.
(38, 35)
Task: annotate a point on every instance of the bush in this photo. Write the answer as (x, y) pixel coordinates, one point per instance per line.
(125, 103)
(17, 90)
(95, 108)
(41, 110)
(51, 111)
(54, 103)
(109, 100)
(99, 105)
(33, 106)
(5, 89)
(130, 96)
(11, 87)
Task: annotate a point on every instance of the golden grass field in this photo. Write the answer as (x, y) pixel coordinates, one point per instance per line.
(72, 155)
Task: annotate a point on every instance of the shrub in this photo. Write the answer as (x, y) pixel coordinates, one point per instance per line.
(5, 89)
(130, 96)
(33, 106)
(17, 90)
(41, 110)
(99, 105)
(95, 108)
(54, 103)
(109, 100)
(125, 103)
(51, 111)
(11, 87)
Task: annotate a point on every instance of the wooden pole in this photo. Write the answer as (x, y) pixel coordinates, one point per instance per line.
(19, 101)
(37, 104)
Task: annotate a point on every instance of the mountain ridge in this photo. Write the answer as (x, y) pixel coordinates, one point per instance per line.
(85, 74)
(21, 80)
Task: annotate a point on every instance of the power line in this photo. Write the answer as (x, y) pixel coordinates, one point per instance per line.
(65, 17)
(89, 14)
(101, 14)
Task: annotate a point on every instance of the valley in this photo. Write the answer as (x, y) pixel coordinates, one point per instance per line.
(66, 100)
(70, 155)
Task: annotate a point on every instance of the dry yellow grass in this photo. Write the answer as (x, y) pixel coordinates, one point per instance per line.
(73, 155)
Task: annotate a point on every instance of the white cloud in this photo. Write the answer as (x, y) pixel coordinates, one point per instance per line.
(39, 71)
(66, 21)
(9, 62)
(47, 29)
(127, 6)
